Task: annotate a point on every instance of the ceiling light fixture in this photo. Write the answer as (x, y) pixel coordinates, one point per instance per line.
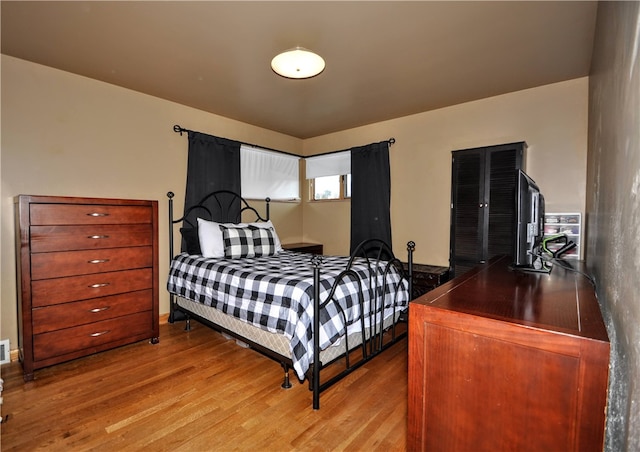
(297, 63)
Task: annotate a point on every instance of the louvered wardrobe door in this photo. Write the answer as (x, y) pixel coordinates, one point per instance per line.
(501, 203)
(467, 217)
(483, 182)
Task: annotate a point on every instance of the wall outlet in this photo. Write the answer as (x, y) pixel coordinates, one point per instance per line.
(5, 352)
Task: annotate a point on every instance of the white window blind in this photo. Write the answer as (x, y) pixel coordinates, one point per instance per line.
(270, 174)
(334, 164)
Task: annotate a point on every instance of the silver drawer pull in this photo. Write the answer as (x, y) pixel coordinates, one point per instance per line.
(96, 286)
(98, 261)
(100, 333)
(97, 214)
(97, 236)
(104, 308)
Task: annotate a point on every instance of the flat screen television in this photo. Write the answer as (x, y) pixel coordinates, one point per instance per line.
(529, 223)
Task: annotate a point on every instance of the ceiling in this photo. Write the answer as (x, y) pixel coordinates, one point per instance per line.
(384, 59)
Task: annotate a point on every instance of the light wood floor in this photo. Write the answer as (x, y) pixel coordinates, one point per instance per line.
(197, 391)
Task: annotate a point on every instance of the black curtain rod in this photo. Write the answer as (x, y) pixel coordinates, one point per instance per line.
(390, 141)
(180, 130)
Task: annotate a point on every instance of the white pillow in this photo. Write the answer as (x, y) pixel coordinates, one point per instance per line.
(210, 236)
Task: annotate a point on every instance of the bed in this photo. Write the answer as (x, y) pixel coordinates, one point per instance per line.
(235, 277)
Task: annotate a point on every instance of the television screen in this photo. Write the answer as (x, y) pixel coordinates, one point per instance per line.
(529, 222)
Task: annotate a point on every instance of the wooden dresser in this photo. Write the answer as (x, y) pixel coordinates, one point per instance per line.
(87, 276)
(504, 360)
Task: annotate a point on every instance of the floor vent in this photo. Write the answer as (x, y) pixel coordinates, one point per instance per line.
(5, 353)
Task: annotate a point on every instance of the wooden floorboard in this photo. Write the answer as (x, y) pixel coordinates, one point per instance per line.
(197, 391)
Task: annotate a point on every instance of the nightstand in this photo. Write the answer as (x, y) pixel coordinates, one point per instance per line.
(312, 248)
(427, 277)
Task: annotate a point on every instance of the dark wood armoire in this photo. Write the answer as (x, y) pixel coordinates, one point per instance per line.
(483, 203)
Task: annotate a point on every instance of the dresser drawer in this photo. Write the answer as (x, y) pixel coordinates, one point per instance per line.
(52, 214)
(69, 238)
(67, 315)
(56, 343)
(71, 263)
(62, 290)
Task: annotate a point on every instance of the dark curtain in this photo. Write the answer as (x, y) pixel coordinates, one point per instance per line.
(213, 164)
(370, 194)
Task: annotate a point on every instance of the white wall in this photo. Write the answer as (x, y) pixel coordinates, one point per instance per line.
(552, 120)
(67, 135)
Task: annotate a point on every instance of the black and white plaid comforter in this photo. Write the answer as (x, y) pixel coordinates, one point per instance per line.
(275, 293)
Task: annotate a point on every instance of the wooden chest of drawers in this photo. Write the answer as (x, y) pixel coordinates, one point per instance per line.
(88, 276)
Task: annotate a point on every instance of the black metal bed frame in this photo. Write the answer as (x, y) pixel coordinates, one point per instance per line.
(371, 251)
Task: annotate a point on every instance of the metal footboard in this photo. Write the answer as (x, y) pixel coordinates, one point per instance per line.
(374, 333)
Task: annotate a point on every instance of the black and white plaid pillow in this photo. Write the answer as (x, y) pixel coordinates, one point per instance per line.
(264, 241)
(238, 242)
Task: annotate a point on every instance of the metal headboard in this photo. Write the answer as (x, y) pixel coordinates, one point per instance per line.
(223, 206)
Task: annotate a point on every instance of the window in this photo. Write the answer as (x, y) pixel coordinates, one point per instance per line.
(329, 176)
(265, 173)
(331, 187)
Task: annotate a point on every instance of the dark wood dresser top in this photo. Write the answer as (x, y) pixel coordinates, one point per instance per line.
(561, 301)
